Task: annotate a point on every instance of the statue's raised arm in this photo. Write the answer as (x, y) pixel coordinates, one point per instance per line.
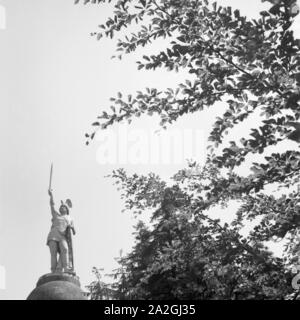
(53, 212)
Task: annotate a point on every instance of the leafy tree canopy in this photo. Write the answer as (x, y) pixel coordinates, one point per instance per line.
(252, 66)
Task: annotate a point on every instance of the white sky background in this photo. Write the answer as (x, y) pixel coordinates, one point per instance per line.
(54, 80)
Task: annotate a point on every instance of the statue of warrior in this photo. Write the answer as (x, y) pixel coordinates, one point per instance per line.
(59, 238)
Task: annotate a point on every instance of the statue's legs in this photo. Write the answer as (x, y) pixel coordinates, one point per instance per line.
(53, 245)
(63, 248)
(59, 265)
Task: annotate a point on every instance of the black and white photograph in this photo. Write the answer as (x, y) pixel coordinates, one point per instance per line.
(150, 151)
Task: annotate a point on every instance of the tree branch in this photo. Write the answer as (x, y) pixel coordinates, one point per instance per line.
(161, 9)
(245, 246)
(244, 71)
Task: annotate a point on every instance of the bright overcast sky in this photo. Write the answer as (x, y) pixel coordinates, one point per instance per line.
(54, 80)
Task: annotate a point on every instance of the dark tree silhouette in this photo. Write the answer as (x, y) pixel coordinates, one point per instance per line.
(252, 66)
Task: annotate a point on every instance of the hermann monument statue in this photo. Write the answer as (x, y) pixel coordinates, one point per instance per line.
(59, 238)
(62, 283)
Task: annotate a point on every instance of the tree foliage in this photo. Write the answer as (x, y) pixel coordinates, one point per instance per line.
(253, 67)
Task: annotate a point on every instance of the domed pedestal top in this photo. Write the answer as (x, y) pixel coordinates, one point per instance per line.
(57, 286)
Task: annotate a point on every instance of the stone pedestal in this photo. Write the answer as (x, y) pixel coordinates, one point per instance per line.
(57, 286)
